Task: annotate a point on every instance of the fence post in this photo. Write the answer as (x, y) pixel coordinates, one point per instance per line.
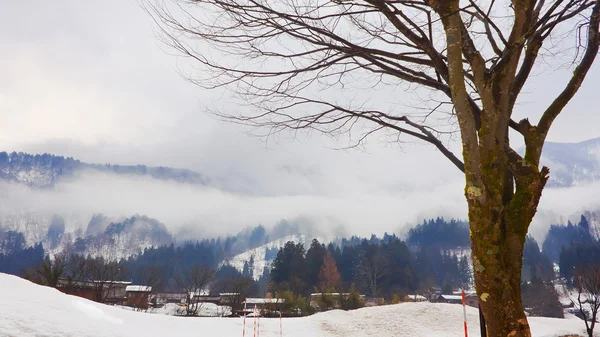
(482, 327)
(244, 328)
(254, 320)
(465, 313)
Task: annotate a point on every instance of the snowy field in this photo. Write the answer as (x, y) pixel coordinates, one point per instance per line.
(27, 309)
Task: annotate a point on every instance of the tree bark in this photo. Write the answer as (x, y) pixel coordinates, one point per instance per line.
(498, 232)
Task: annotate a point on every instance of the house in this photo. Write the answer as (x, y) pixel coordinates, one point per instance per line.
(414, 298)
(137, 296)
(112, 292)
(270, 304)
(83, 289)
(455, 299)
(471, 299)
(203, 296)
(169, 297)
(230, 299)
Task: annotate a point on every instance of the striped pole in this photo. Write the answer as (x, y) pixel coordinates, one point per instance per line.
(280, 324)
(244, 330)
(254, 310)
(465, 313)
(258, 320)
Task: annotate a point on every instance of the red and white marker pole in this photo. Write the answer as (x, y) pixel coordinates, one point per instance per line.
(244, 329)
(258, 319)
(465, 313)
(280, 324)
(254, 320)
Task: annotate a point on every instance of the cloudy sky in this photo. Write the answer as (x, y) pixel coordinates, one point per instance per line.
(91, 80)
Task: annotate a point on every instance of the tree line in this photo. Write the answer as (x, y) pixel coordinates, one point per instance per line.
(376, 267)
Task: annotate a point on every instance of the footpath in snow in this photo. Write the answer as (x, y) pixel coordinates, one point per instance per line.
(27, 309)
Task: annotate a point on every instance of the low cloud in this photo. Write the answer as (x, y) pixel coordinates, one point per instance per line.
(206, 211)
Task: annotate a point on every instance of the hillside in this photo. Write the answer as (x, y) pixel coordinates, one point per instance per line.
(263, 255)
(31, 310)
(45, 170)
(572, 164)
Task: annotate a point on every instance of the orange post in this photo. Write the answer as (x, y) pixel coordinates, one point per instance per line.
(465, 313)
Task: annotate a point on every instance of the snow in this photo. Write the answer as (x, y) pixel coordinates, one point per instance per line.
(259, 254)
(30, 310)
(263, 300)
(144, 289)
(175, 309)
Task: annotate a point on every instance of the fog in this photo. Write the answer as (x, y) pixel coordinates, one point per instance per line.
(193, 211)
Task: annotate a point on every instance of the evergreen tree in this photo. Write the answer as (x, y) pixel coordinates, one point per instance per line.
(314, 261)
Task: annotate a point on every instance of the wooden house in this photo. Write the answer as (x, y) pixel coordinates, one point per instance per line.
(138, 296)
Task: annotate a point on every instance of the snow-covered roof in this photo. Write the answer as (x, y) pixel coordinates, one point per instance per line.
(416, 297)
(229, 294)
(264, 300)
(467, 292)
(144, 289)
(451, 297)
(111, 282)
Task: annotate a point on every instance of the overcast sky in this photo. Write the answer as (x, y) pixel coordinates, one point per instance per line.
(89, 79)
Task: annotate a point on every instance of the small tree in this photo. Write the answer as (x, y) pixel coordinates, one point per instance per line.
(194, 282)
(329, 282)
(238, 288)
(587, 285)
(49, 273)
(329, 276)
(353, 300)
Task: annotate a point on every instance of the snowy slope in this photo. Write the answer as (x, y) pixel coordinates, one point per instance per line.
(572, 164)
(259, 254)
(31, 310)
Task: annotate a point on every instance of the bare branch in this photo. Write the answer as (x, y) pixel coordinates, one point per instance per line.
(593, 42)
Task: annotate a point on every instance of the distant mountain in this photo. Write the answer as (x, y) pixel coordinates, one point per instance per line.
(45, 170)
(572, 164)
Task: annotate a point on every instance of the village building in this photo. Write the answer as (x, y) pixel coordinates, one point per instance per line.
(414, 298)
(138, 296)
(112, 292)
(471, 299)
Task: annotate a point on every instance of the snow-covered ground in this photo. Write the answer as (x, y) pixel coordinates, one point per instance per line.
(174, 309)
(27, 309)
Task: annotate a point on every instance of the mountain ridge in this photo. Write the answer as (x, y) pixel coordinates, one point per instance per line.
(45, 170)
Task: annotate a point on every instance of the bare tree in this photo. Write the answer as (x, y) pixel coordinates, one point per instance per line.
(195, 282)
(373, 268)
(150, 278)
(104, 276)
(236, 289)
(587, 299)
(321, 65)
(49, 273)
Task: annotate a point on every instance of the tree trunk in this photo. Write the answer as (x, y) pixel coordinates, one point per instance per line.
(499, 220)
(498, 286)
